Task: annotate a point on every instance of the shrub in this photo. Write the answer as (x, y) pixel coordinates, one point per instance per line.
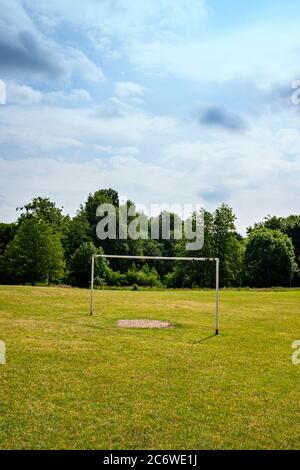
(143, 277)
(115, 278)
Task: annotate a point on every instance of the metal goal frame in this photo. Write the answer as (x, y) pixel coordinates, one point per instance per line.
(158, 258)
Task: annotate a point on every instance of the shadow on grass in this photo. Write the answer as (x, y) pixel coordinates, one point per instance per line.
(204, 339)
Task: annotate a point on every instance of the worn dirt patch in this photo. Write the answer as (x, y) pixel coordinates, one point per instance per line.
(143, 324)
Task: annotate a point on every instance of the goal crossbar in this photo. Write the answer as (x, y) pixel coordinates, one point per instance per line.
(157, 258)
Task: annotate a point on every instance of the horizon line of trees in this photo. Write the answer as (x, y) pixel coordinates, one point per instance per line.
(46, 246)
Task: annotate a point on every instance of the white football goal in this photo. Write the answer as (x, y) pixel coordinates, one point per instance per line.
(159, 258)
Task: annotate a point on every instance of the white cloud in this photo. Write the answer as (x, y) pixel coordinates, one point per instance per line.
(123, 18)
(127, 89)
(22, 94)
(236, 55)
(128, 95)
(70, 183)
(149, 157)
(25, 95)
(55, 128)
(114, 150)
(82, 66)
(73, 97)
(24, 49)
(254, 172)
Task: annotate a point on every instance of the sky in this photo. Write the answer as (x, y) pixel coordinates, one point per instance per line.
(168, 102)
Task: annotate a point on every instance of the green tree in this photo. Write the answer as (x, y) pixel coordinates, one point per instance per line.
(43, 208)
(7, 233)
(292, 230)
(227, 246)
(269, 259)
(77, 232)
(80, 265)
(291, 227)
(35, 254)
(220, 241)
(233, 261)
(270, 222)
(110, 246)
(187, 274)
(168, 246)
(102, 196)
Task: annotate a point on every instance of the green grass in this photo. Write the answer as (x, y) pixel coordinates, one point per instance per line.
(74, 381)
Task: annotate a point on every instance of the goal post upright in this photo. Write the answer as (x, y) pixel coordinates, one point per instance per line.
(92, 285)
(217, 294)
(158, 258)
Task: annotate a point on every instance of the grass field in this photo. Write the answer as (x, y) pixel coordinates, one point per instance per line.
(74, 381)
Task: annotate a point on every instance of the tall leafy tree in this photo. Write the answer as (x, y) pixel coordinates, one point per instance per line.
(77, 232)
(102, 196)
(269, 259)
(227, 245)
(195, 274)
(291, 227)
(7, 233)
(168, 246)
(45, 209)
(292, 230)
(220, 241)
(35, 254)
(80, 265)
(270, 222)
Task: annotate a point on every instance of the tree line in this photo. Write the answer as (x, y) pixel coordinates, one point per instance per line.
(45, 246)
